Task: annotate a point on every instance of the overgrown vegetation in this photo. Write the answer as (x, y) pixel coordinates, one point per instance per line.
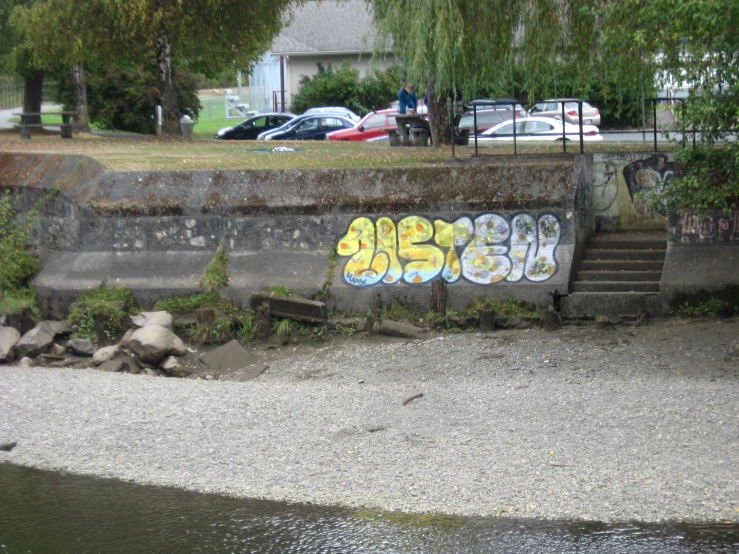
(721, 303)
(278, 290)
(216, 276)
(102, 314)
(178, 304)
(17, 301)
(17, 261)
(709, 180)
(342, 86)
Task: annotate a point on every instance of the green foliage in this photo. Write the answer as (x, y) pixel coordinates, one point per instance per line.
(710, 180)
(278, 290)
(178, 304)
(15, 302)
(708, 308)
(284, 329)
(17, 261)
(343, 87)
(123, 98)
(102, 314)
(216, 276)
(504, 308)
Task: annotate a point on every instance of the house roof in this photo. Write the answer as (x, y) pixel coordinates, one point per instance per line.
(330, 26)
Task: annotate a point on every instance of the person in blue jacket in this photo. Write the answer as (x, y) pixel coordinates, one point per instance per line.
(407, 99)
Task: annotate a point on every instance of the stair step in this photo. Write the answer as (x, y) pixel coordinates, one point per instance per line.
(627, 244)
(619, 276)
(625, 254)
(621, 265)
(611, 304)
(615, 286)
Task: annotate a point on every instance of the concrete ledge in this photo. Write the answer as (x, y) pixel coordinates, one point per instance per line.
(692, 270)
(588, 305)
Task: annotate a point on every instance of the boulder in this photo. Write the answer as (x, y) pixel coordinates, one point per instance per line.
(25, 363)
(57, 350)
(734, 348)
(153, 372)
(154, 343)
(172, 366)
(126, 338)
(401, 330)
(9, 337)
(81, 347)
(105, 354)
(113, 366)
(34, 343)
(231, 356)
(144, 319)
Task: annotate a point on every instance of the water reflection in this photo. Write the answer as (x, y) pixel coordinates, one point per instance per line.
(44, 512)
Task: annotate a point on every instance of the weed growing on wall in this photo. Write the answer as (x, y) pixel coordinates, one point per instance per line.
(102, 314)
(17, 261)
(216, 276)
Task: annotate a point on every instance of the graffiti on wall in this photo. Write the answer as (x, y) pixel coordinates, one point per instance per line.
(415, 250)
(642, 177)
(724, 227)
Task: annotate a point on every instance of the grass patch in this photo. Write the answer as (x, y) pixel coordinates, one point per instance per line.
(216, 276)
(102, 314)
(504, 308)
(179, 304)
(278, 290)
(18, 301)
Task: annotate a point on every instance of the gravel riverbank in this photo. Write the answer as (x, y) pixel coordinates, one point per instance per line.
(620, 424)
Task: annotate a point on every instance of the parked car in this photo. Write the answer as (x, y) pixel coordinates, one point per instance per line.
(289, 124)
(499, 104)
(485, 119)
(553, 108)
(535, 129)
(312, 127)
(252, 127)
(346, 112)
(372, 125)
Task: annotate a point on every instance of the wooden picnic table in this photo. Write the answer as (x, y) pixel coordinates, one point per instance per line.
(409, 121)
(25, 127)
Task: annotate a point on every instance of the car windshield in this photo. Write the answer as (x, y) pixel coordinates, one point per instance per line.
(508, 129)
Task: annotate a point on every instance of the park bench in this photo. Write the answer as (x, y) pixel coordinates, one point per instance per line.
(25, 127)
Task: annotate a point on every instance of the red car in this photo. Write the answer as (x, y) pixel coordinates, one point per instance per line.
(373, 125)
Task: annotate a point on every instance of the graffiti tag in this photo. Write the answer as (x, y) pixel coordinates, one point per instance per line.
(706, 226)
(486, 250)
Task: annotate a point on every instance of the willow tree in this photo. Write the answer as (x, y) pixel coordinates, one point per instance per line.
(465, 47)
(207, 36)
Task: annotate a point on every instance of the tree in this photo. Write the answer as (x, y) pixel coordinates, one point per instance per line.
(203, 35)
(462, 47)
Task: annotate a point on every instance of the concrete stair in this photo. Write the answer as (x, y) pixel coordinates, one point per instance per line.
(619, 274)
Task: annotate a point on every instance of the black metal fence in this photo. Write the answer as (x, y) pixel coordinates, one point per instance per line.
(647, 121)
(11, 95)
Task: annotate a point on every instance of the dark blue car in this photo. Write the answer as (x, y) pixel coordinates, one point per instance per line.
(314, 127)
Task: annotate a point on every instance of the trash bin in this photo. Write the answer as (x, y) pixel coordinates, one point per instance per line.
(462, 137)
(186, 125)
(419, 136)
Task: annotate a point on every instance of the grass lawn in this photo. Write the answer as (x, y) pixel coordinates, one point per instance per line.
(151, 153)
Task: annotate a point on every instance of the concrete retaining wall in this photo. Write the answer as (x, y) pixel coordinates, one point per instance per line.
(498, 227)
(702, 254)
(624, 187)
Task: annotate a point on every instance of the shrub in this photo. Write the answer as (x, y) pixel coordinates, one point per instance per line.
(17, 261)
(343, 87)
(124, 98)
(102, 314)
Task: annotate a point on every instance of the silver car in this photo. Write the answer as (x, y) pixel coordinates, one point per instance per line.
(553, 108)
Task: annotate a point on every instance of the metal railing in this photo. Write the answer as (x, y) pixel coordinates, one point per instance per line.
(11, 95)
(568, 134)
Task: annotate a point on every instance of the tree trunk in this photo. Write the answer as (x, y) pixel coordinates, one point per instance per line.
(438, 115)
(79, 93)
(32, 96)
(167, 85)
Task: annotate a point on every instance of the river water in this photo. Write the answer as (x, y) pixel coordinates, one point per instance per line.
(46, 512)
